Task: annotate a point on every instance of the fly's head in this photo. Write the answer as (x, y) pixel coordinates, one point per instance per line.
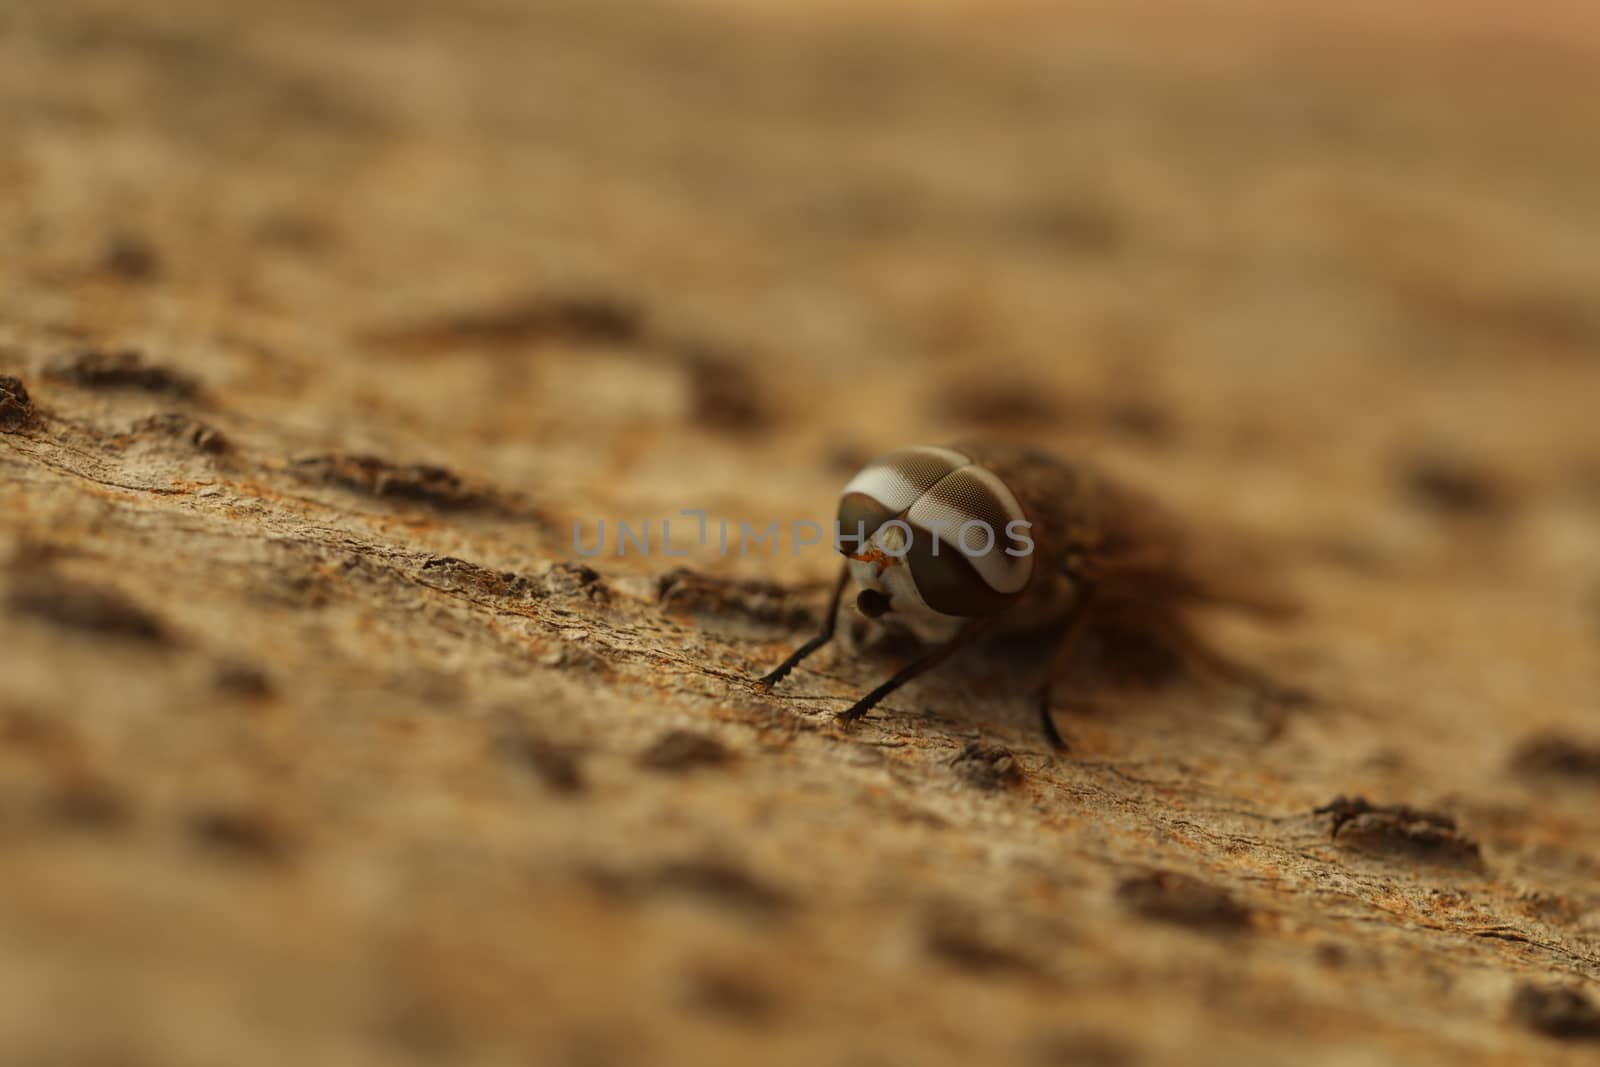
(933, 539)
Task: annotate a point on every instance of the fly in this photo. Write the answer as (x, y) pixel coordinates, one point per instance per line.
(957, 542)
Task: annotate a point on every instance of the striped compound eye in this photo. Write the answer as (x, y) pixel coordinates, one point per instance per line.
(940, 533)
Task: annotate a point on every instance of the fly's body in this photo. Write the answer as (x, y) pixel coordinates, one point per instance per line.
(954, 542)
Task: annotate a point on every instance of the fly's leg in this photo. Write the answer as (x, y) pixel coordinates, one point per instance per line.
(921, 666)
(1069, 641)
(829, 622)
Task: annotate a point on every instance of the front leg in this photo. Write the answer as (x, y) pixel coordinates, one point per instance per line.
(829, 623)
(968, 634)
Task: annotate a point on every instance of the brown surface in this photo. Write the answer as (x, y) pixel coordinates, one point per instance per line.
(318, 744)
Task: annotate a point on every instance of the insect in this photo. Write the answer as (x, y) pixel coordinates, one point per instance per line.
(953, 543)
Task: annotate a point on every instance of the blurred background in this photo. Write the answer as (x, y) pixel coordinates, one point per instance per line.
(446, 277)
(591, 243)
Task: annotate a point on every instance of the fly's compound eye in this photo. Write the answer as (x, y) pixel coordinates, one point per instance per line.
(890, 484)
(960, 519)
(961, 530)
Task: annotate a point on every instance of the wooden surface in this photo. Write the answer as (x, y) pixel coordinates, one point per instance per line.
(320, 743)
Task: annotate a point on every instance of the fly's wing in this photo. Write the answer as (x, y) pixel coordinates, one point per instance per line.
(1144, 551)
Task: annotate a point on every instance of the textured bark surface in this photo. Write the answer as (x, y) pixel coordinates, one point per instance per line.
(320, 324)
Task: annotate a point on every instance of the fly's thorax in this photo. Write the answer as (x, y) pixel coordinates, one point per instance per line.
(943, 536)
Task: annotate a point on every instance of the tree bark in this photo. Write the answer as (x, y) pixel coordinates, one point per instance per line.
(324, 738)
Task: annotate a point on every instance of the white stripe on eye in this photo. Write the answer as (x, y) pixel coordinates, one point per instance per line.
(896, 480)
(937, 510)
